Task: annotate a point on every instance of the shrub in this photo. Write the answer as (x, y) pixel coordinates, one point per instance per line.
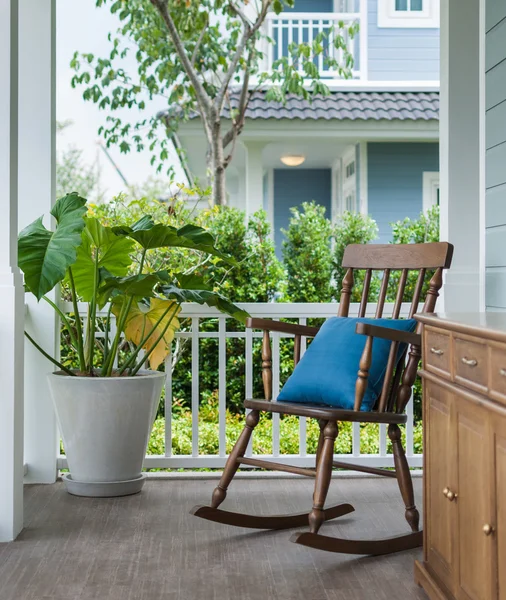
(258, 274)
(307, 255)
(262, 437)
(353, 228)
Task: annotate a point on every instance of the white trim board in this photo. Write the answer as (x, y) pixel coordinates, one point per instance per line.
(430, 186)
(427, 18)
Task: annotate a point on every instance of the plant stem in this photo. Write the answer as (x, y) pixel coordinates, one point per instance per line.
(135, 370)
(64, 319)
(106, 333)
(93, 315)
(53, 360)
(79, 329)
(120, 325)
(146, 337)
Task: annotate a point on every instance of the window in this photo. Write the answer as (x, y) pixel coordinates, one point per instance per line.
(430, 190)
(408, 13)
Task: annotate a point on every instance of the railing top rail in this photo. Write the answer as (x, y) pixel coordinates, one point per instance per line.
(262, 309)
(313, 16)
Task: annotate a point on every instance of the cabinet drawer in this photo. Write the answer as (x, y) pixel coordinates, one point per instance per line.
(470, 363)
(437, 351)
(497, 384)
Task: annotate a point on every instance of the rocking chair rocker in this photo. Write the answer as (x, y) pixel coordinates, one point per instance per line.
(390, 406)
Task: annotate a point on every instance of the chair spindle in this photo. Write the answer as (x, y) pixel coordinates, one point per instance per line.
(418, 292)
(296, 349)
(363, 373)
(344, 303)
(383, 294)
(267, 365)
(400, 294)
(365, 293)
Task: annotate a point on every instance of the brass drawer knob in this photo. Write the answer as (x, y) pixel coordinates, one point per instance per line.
(470, 362)
(449, 494)
(488, 529)
(437, 351)
(502, 372)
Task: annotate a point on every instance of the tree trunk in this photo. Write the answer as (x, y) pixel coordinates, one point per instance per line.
(216, 167)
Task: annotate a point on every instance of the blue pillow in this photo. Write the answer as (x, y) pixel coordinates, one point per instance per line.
(327, 373)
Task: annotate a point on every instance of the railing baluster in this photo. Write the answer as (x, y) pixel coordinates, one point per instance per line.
(168, 404)
(275, 392)
(249, 378)
(382, 440)
(355, 440)
(410, 428)
(195, 386)
(302, 420)
(222, 382)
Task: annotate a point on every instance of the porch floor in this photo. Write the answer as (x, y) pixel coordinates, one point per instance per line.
(148, 547)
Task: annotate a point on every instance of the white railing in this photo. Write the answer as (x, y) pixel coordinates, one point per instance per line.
(288, 28)
(301, 312)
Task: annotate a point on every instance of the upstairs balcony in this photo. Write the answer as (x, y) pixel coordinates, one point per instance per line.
(304, 27)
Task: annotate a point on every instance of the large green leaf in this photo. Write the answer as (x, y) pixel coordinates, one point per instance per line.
(114, 256)
(150, 235)
(44, 256)
(203, 296)
(141, 286)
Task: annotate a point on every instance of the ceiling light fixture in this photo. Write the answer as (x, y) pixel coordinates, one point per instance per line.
(293, 160)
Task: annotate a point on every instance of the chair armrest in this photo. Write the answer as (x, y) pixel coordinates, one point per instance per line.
(386, 333)
(270, 325)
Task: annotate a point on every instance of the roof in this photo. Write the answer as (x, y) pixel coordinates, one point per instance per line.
(377, 106)
(353, 106)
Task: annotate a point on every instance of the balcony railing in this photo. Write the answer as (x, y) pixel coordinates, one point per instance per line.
(226, 329)
(288, 28)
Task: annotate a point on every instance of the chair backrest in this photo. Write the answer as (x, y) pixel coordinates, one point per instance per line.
(428, 260)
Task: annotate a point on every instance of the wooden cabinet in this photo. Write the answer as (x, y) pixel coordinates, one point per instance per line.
(464, 458)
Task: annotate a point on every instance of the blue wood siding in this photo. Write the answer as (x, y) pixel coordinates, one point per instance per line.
(395, 181)
(401, 54)
(311, 6)
(495, 206)
(292, 187)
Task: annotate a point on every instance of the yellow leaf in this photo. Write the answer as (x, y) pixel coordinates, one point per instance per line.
(141, 321)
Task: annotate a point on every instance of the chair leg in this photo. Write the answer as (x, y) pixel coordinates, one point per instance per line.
(321, 423)
(404, 478)
(323, 476)
(220, 491)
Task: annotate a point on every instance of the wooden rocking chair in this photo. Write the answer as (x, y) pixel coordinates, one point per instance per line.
(390, 407)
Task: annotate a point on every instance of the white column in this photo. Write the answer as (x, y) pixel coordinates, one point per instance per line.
(37, 131)
(462, 151)
(11, 290)
(254, 177)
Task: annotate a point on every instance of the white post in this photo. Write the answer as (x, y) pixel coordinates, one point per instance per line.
(37, 155)
(462, 151)
(254, 177)
(11, 288)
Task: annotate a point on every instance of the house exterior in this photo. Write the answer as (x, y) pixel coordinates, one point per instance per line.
(372, 146)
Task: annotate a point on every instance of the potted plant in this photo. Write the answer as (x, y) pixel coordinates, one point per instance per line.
(106, 407)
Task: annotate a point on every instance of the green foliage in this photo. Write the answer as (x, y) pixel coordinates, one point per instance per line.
(353, 228)
(257, 274)
(262, 437)
(307, 255)
(145, 304)
(414, 231)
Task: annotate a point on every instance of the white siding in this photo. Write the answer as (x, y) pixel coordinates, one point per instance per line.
(496, 154)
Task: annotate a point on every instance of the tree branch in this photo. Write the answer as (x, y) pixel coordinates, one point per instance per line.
(202, 96)
(198, 44)
(249, 31)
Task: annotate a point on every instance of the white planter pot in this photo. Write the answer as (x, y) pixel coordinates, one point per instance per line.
(105, 424)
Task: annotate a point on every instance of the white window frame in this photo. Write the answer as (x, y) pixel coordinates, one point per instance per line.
(349, 183)
(428, 17)
(430, 189)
